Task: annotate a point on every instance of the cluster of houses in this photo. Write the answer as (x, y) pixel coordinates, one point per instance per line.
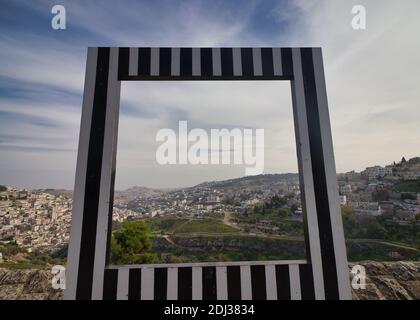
(35, 220)
(204, 199)
(375, 190)
(41, 220)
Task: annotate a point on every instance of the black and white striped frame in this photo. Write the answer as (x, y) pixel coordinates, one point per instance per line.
(324, 275)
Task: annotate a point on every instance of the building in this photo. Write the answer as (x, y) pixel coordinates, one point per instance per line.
(409, 170)
(345, 190)
(376, 172)
(343, 200)
(365, 207)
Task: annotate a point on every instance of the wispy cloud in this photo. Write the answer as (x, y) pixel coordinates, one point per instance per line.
(372, 82)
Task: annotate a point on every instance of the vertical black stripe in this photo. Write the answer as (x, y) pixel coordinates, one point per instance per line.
(93, 178)
(226, 57)
(206, 62)
(267, 62)
(283, 282)
(123, 61)
(234, 282)
(320, 181)
(209, 283)
(161, 283)
(165, 61)
(306, 282)
(185, 283)
(110, 284)
(227, 61)
(110, 212)
(144, 62)
(186, 61)
(287, 62)
(247, 62)
(258, 283)
(134, 284)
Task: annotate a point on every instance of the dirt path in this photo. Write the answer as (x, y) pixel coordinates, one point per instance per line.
(387, 243)
(226, 221)
(167, 238)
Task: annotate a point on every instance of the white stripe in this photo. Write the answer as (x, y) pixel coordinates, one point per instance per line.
(154, 61)
(331, 177)
(197, 283)
(278, 68)
(295, 293)
(270, 282)
(108, 166)
(246, 288)
(133, 62)
(221, 283)
(305, 173)
(237, 62)
(176, 61)
(256, 58)
(196, 62)
(147, 283)
(217, 62)
(79, 186)
(122, 287)
(172, 284)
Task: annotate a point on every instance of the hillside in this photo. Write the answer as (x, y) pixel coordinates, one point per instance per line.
(385, 281)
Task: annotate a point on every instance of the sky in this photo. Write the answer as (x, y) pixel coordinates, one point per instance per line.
(372, 77)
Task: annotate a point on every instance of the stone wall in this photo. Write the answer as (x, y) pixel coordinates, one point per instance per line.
(390, 281)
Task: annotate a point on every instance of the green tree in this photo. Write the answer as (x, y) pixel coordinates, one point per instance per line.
(380, 194)
(349, 221)
(131, 244)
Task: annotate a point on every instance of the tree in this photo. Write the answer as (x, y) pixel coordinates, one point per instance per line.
(380, 194)
(408, 196)
(349, 221)
(131, 244)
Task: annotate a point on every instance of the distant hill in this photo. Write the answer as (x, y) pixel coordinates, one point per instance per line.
(136, 191)
(258, 181)
(251, 181)
(145, 192)
(58, 192)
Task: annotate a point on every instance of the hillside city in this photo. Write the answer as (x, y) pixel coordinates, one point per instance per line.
(39, 220)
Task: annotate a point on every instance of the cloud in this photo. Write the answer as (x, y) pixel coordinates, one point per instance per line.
(372, 77)
(372, 82)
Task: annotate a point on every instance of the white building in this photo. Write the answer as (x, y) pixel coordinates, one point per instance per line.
(345, 190)
(343, 200)
(375, 172)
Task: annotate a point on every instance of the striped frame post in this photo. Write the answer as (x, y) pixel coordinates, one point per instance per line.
(323, 275)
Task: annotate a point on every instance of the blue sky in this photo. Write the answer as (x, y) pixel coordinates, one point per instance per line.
(372, 82)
